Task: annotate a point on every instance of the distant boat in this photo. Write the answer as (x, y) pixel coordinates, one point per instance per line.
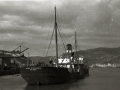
(63, 70)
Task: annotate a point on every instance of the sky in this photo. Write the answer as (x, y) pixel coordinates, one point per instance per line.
(30, 23)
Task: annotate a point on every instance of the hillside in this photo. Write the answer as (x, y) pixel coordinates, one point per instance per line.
(101, 55)
(97, 55)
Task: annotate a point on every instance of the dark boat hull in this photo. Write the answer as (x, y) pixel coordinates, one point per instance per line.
(48, 75)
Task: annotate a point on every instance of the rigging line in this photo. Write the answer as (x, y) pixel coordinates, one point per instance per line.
(60, 28)
(17, 48)
(48, 36)
(50, 43)
(46, 43)
(62, 39)
(59, 41)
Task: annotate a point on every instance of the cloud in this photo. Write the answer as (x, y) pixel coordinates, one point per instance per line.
(30, 23)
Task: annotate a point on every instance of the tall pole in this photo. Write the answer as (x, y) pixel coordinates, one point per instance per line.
(75, 42)
(56, 41)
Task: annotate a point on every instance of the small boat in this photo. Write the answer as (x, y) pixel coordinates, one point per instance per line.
(64, 70)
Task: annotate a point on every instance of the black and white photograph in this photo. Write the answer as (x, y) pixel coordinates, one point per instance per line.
(59, 44)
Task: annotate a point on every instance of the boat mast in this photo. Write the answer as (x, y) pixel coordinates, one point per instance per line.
(75, 42)
(56, 40)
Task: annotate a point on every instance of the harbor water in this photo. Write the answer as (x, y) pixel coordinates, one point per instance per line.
(99, 79)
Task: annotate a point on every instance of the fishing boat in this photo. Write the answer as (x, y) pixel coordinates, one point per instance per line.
(63, 70)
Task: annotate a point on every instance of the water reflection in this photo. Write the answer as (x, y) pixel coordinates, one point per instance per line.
(65, 86)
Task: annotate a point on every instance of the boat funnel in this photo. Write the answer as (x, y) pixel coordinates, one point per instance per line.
(69, 48)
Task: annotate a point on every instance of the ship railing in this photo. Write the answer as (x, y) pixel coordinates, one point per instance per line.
(34, 65)
(24, 65)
